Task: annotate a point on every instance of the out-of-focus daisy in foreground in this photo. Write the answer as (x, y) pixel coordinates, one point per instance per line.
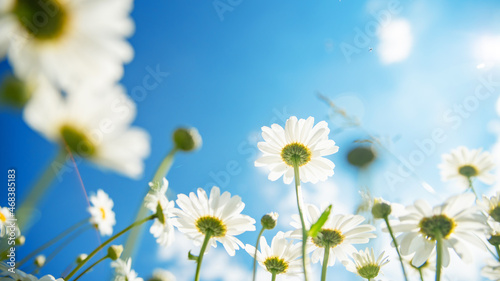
(491, 270)
(456, 223)
(365, 263)
(93, 125)
(162, 275)
(69, 42)
(282, 257)
(466, 165)
(156, 201)
(218, 217)
(124, 271)
(300, 143)
(338, 234)
(101, 211)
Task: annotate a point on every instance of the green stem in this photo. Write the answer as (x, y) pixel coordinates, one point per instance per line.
(471, 186)
(298, 193)
(94, 252)
(133, 239)
(52, 241)
(439, 255)
(255, 254)
(90, 267)
(273, 278)
(498, 252)
(386, 219)
(325, 262)
(25, 212)
(200, 257)
(421, 274)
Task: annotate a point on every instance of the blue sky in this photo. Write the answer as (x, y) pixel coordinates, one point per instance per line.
(258, 64)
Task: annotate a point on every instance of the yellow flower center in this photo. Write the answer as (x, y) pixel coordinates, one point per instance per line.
(212, 225)
(3, 218)
(296, 154)
(430, 227)
(276, 265)
(328, 238)
(43, 19)
(468, 171)
(103, 213)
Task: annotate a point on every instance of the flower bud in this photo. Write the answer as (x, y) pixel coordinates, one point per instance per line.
(81, 258)
(361, 156)
(115, 251)
(40, 260)
(14, 92)
(269, 221)
(20, 240)
(381, 209)
(187, 139)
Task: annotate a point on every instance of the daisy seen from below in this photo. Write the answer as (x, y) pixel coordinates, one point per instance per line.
(282, 257)
(69, 42)
(101, 212)
(94, 124)
(429, 230)
(491, 206)
(365, 264)
(338, 234)
(5, 215)
(426, 271)
(208, 220)
(18, 275)
(124, 271)
(156, 201)
(300, 144)
(466, 165)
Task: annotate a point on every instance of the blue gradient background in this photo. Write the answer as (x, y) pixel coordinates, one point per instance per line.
(228, 78)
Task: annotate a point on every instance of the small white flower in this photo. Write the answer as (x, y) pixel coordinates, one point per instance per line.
(162, 275)
(491, 270)
(365, 264)
(283, 257)
(298, 143)
(92, 124)
(156, 201)
(124, 271)
(457, 221)
(101, 211)
(69, 42)
(220, 216)
(491, 206)
(4, 217)
(463, 164)
(339, 233)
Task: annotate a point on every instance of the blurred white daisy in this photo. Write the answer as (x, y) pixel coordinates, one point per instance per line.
(93, 125)
(162, 275)
(282, 257)
(463, 165)
(339, 233)
(124, 271)
(427, 270)
(457, 221)
(220, 216)
(18, 275)
(4, 218)
(69, 42)
(156, 201)
(298, 143)
(491, 270)
(101, 212)
(365, 263)
(491, 206)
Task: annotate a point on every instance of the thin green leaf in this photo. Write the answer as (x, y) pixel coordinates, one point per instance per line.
(316, 227)
(192, 257)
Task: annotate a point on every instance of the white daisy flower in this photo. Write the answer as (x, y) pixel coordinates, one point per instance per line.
(124, 271)
(69, 42)
(18, 275)
(427, 269)
(463, 165)
(156, 201)
(491, 206)
(94, 125)
(162, 275)
(282, 257)
(299, 143)
(365, 264)
(101, 212)
(5, 216)
(219, 216)
(491, 270)
(339, 233)
(457, 221)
